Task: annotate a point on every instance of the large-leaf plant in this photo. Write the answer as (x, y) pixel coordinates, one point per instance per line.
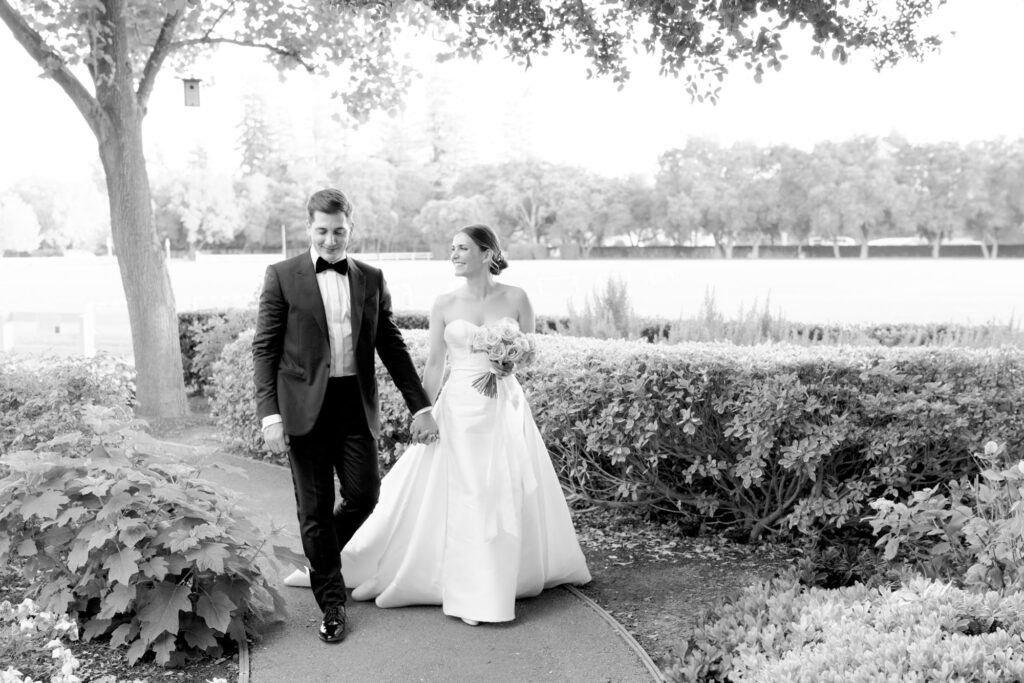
(135, 544)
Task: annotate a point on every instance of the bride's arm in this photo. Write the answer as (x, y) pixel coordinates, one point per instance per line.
(524, 312)
(434, 370)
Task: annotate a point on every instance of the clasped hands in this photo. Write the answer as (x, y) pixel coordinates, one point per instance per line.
(424, 428)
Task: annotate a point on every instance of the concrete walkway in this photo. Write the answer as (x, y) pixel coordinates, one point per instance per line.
(557, 636)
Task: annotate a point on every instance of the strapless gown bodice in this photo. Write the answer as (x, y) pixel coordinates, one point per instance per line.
(458, 335)
(474, 520)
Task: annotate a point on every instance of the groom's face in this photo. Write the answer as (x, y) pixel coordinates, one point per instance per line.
(329, 233)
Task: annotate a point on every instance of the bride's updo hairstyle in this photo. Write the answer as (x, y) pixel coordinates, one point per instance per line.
(485, 238)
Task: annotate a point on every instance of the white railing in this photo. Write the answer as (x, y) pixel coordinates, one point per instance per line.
(65, 333)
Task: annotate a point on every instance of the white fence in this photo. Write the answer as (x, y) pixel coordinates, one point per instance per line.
(66, 333)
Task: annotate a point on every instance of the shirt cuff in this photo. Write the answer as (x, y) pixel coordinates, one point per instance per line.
(422, 410)
(271, 420)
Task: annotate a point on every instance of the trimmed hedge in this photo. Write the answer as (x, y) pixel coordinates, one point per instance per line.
(203, 334)
(756, 439)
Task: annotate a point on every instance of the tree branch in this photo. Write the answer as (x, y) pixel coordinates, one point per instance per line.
(161, 49)
(290, 54)
(227, 10)
(53, 65)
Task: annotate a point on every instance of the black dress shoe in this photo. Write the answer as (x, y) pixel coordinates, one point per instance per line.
(332, 628)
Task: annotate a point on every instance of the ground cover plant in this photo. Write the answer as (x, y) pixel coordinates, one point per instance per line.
(921, 630)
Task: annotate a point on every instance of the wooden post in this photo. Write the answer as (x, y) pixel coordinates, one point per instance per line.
(284, 242)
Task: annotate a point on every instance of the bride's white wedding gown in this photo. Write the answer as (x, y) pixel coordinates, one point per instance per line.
(474, 520)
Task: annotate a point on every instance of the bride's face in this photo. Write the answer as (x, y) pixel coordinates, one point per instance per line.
(466, 256)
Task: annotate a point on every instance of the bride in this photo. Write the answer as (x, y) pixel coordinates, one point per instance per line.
(477, 518)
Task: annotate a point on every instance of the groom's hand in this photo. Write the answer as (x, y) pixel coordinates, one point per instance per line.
(275, 438)
(424, 429)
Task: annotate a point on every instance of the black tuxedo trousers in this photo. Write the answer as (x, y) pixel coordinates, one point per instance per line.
(339, 445)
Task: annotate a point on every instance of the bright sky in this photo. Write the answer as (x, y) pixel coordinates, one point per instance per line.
(962, 94)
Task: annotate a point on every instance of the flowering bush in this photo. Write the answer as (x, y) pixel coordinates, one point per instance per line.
(925, 631)
(31, 637)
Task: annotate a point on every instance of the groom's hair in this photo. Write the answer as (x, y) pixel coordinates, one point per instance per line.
(329, 201)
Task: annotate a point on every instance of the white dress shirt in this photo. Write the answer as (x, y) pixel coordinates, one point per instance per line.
(337, 297)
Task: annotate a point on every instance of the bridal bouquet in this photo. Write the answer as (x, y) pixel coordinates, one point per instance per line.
(506, 346)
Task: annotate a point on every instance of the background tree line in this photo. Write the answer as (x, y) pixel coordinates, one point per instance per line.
(860, 189)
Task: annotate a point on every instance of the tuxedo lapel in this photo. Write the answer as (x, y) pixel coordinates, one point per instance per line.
(357, 290)
(309, 290)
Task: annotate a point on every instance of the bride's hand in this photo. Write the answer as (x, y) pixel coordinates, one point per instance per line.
(424, 428)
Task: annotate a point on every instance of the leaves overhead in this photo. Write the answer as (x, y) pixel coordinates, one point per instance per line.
(359, 42)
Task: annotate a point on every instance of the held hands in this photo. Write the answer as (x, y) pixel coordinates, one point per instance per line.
(275, 438)
(424, 428)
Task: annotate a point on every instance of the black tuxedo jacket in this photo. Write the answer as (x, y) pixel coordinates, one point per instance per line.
(292, 352)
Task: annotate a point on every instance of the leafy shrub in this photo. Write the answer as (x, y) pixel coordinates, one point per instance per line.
(970, 529)
(203, 335)
(233, 403)
(136, 545)
(924, 631)
(43, 397)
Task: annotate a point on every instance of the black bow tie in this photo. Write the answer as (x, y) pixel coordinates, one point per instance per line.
(338, 266)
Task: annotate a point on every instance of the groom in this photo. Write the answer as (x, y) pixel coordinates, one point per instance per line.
(321, 317)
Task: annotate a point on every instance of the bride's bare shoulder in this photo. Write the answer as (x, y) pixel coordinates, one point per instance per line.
(514, 293)
(444, 302)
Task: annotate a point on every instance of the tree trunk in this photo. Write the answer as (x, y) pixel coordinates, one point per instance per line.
(992, 252)
(936, 243)
(160, 385)
(864, 249)
(835, 248)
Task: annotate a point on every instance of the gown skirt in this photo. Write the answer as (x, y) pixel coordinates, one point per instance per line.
(475, 519)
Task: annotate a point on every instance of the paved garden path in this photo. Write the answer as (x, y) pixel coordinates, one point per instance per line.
(557, 636)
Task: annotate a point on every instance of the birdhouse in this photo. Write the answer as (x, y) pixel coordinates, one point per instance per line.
(191, 92)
